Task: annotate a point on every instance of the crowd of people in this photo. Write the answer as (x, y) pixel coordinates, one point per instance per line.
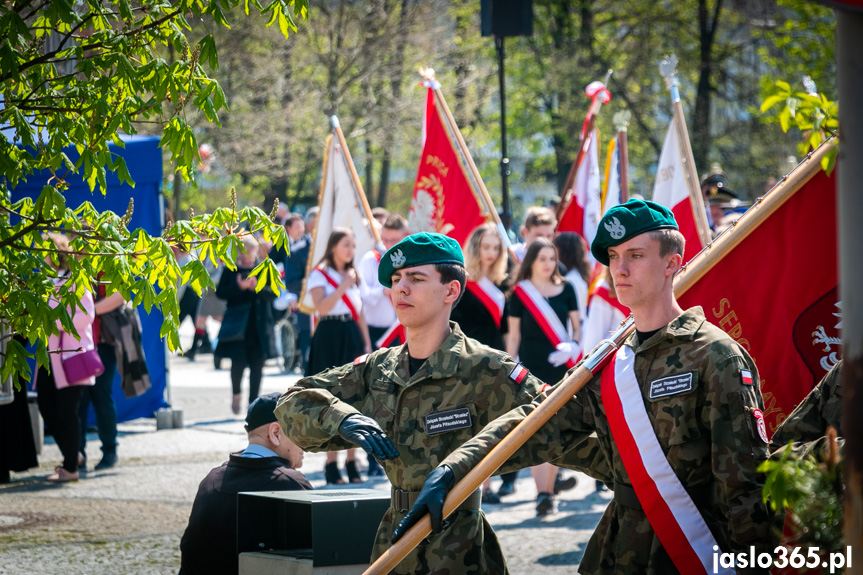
(485, 333)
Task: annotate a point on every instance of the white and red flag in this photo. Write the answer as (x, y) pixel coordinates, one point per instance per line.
(342, 203)
(581, 207)
(671, 190)
(448, 198)
(585, 210)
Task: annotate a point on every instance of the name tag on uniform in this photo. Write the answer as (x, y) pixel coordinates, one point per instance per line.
(671, 385)
(448, 420)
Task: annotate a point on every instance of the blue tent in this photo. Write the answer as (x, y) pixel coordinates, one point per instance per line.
(144, 160)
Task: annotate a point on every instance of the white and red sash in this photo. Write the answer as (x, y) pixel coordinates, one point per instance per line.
(545, 317)
(490, 296)
(670, 510)
(396, 332)
(601, 291)
(345, 297)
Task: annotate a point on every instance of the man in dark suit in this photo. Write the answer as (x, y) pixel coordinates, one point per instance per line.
(269, 463)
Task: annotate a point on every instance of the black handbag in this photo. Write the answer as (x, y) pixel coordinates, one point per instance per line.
(234, 323)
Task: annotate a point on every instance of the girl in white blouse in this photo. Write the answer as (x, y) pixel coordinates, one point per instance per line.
(341, 334)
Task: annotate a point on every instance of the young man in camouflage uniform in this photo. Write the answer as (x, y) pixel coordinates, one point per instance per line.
(700, 394)
(807, 425)
(429, 396)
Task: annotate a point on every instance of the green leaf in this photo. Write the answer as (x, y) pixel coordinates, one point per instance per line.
(769, 102)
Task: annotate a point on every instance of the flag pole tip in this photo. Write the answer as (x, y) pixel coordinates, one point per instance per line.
(334, 121)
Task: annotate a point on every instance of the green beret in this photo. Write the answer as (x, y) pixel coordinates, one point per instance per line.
(626, 221)
(418, 250)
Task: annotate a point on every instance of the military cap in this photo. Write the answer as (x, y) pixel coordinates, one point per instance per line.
(261, 411)
(626, 221)
(417, 250)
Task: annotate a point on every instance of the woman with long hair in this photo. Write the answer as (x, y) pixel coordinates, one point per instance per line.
(544, 329)
(572, 252)
(342, 334)
(247, 335)
(482, 313)
(59, 398)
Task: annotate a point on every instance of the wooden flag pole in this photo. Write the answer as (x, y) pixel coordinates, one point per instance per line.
(358, 187)
(668, 69)
(309, 262)
(621, 120)
(584, 144)
(696, 268)
(453, 127)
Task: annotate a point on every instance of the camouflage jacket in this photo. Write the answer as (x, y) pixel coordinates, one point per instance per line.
(808, 423)
(462, 374)
(708, 433)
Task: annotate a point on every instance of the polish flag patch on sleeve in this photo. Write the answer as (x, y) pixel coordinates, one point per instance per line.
(518, 373)
(361, 359)
(746, 377)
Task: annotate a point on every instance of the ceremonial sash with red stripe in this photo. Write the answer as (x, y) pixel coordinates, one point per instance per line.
(670, 510)
(345, 297)
(395, 332)
(490, 296)
(545, 317)
(601, 291)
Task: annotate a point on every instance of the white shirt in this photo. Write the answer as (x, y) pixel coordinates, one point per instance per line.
(580, 293)
(317, 279)
(602, 320)
(379, 310)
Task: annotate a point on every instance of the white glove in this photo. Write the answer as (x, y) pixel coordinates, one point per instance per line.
(565, 351)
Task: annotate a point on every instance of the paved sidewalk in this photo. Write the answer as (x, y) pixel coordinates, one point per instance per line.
(129, 520)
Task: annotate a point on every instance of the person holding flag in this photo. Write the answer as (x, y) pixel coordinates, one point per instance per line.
(414, 404)
(544, 330)
(679, 417)
(341, 334)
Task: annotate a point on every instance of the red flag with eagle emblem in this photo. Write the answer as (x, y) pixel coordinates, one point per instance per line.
(446, 197)
(776, 294)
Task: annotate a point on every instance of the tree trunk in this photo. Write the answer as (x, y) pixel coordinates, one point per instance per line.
(385, 179)
(849, 28)
(701, 117)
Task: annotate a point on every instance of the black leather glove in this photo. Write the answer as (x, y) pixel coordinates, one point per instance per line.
(366, 433)
(430, 500)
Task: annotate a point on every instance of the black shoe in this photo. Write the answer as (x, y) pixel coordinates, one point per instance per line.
(353, 472)
(332, 474)
(206, 345)
(109, 460)
(217, 361)
(564, 484)
(545, 504)
(489, 496)
(506, 488)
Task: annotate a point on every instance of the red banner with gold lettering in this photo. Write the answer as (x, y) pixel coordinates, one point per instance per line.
(445, 199)
(776, 294)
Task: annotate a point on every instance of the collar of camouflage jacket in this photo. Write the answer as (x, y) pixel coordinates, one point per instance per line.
(442, 364)
(683, 327)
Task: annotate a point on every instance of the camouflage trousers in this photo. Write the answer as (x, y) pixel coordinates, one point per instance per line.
(466, 546)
